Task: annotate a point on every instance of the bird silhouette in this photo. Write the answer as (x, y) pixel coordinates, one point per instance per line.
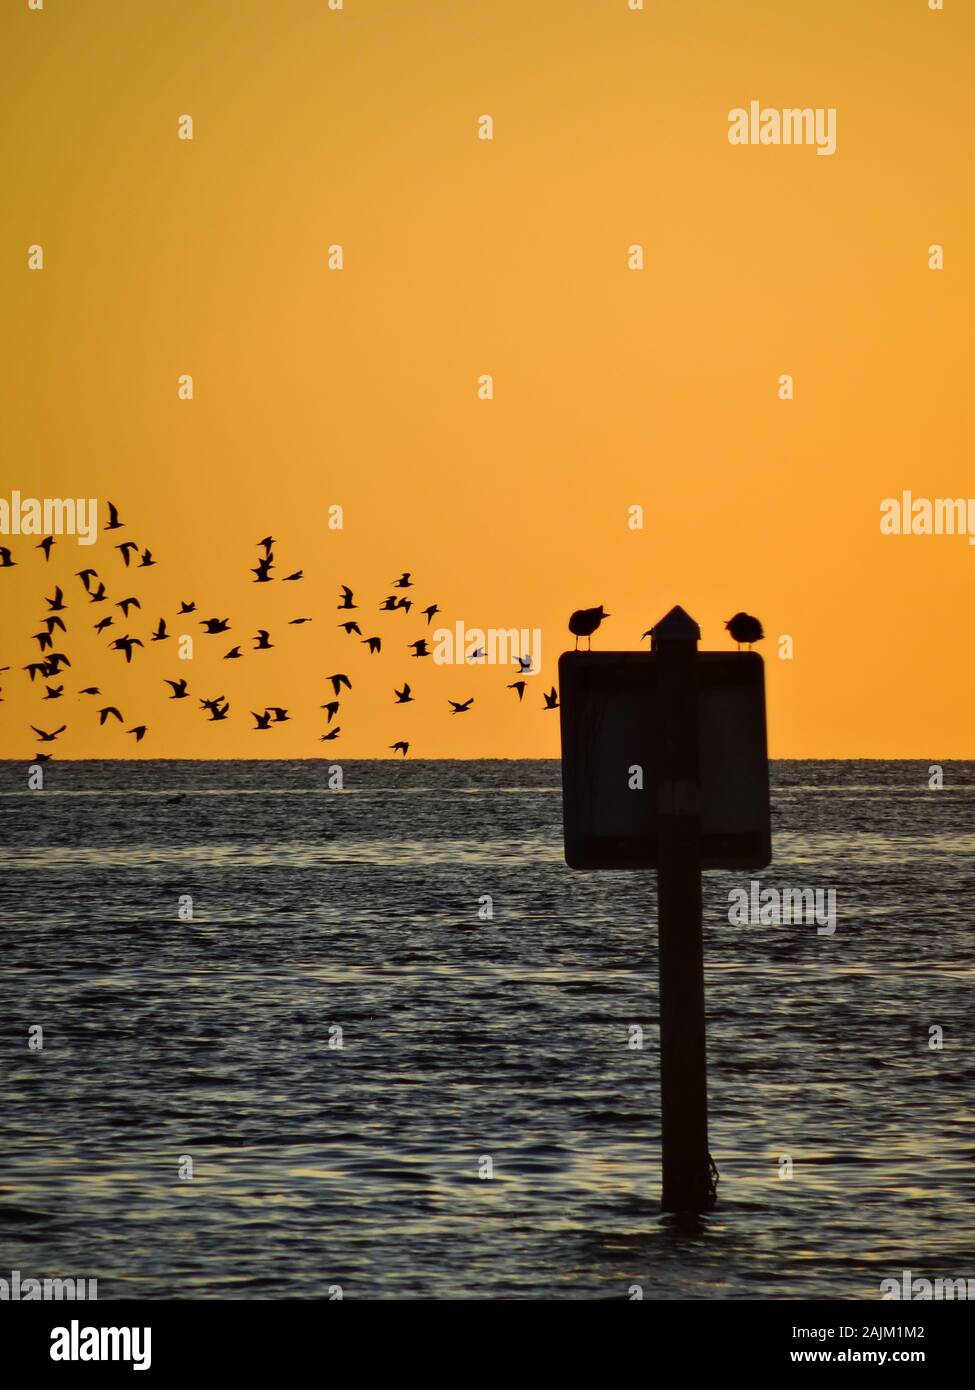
(460, 706)
(56, 604)
(289, 578)
(584, 621)
(263, 720)
(90, 690)
(347, 597)
(263, 570)
(552, 699)
(126, 603)
(48, 738)
(403, 697)
(113, 522)
(220, 712)
(97, 595)
(6, 559)
(185, 607)
(145, 562)
(331, 709)
(105, 622)
(52, 621)
(179, 689)
(351, 627)
(54, 692)
(400, 747)
(420, 647)
(430, 612)
(332, 734)
(125, 549)
(125, 644)
(46, 545)
(233, 655)
(214, 625)
(296, 622)
(744, 628)
(160, 634)
(262, 642)
(280, 715)
(85, 576)
(338, 680)
(375, 644)
(139, 731)
(404, 581)
(389, 604)
(524, 664)
(267, 542)
(34, 668)
(520, 687)
(43, 640)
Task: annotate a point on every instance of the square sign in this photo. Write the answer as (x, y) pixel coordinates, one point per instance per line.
(609, 727)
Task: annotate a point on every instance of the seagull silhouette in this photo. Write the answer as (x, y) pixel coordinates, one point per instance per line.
(125, 644)
(296, 622)
(84, 576)
(400, 747)
(144, 564)
(584, 621)
(524, 664)
(338, 680)
(139, 731)
(404, 581)
(90, 690)
(45, 545)
(288, 578)
(403, 697)
(262, 642)
(351, 627)
(420, 648)
(54, 692)
(179, 689)
(48, 738)
(552, 699)
(267, 542)
(113, 522)
(214, 625)
(347, 598)
(744, 628)
(6, 561)
(280, 715)
(263, 720)
(105, 622)
(53, 621)
(333, 734)
(331, 709)
(263, 570)
(185, 607)
(375, 644)
(430, 612)
(56, 604)
(126, 603)
(125, 548)
(233, 655)
(160, 634)
(520, 687)
(460, 707)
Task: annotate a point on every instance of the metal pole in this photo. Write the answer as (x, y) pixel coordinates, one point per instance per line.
(687, 1183)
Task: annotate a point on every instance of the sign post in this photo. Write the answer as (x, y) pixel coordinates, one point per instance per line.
(665, 767)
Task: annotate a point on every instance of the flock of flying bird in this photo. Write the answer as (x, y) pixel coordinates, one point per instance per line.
(51, 663)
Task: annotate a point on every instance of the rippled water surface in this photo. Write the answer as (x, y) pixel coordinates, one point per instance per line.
(315, 910)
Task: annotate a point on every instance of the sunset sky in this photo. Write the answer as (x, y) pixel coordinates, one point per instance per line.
(613, 388)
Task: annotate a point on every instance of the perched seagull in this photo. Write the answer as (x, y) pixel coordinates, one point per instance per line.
(744, 628)
(400, 747)
(403, 697)
(520, 687)
(552, 699)
(584, 621)
(460, 707)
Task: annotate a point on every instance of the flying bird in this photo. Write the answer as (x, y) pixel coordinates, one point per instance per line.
(54, 692)
(125, 548)
(179, 689)
(403, 697)
(56, 604)
(347, 598)
(331, 709)
(351, 627)
(90, 690)
(280, 715)
(54, 621)
(298, 574)
(6, 560)
(105, 622)
(267, 542)
(263, 721)
(404, 581)
(263, 570)
(233, 655)
(338, 680)
(113, 522)
(460, 707)
(520, 687)
(139, 731)
(400, 747)
(185, 607)
(85, 575)
(48, 738)
(125, 644)
(214, 625)
(419, 648)
(146, 561)
(431, 612)
(45, 545)
(332, 734)
(293, 622)
(375, 644)
(744, 628)
(160, 633)
(524, 664)
(126, 603)
(552, 699)
(262, 641)
(220, 712)
(584, 621)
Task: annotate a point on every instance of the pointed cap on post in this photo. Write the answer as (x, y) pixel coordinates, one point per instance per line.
(677, 626)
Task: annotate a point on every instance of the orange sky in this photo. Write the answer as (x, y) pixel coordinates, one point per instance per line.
(612, 387)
